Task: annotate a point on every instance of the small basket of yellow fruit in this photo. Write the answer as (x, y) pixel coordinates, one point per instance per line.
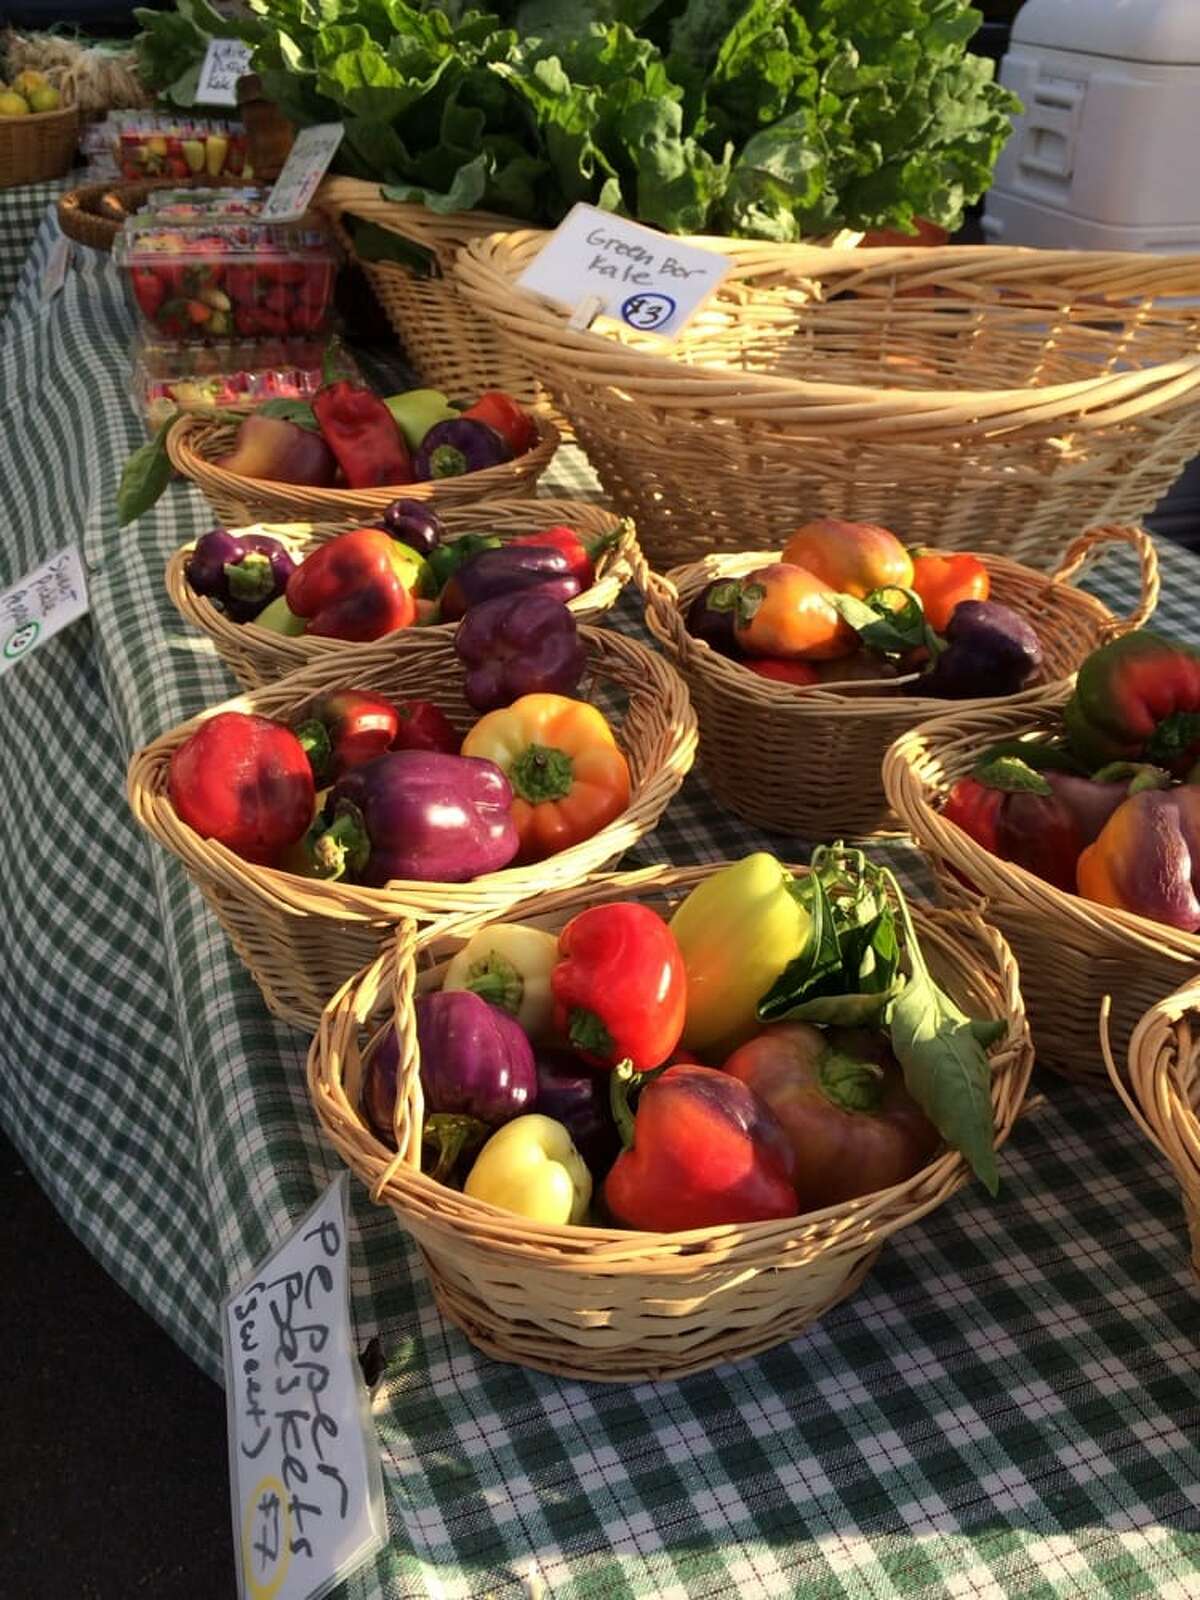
(39, 128)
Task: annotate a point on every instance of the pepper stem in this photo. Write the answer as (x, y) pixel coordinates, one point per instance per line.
(451, 1136)
(587, 1032)
(850, 1084)
(623, 1080)
(540, 773)
(250, 577)
(497, 981)
(445, 461)
(344, 847)
(314, 740)
(1175, 739)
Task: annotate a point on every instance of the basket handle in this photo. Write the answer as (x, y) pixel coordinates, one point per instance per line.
(1094, 542)
(661, 599)
(409, 1115)
(1118, 1083)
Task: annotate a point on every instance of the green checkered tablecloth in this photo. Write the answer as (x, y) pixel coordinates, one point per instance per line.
(1007, 1408)
(22, 212)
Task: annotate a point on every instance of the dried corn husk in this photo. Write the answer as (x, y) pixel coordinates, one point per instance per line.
(102, 77)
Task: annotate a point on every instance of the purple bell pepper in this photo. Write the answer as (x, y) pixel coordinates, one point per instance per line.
(417, 814)
(475, 1058)
(714, 622)
(241, 572)
(413, 524)
(578, 1097)
(450, 449)
(513, 569)
(992, 650)
(516, 645)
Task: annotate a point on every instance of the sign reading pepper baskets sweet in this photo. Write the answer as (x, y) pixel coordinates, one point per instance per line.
(595, 264)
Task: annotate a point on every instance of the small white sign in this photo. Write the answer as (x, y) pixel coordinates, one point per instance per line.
(225, 61)
(304, 1471)
(604, 265)
(307, 163)
(57, 263)
(41, 604)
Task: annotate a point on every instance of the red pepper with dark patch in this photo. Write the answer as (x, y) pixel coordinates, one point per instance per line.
(346, 728)
(620, 986)
(424, 726)
(702, 1150)
(246, 782)
(362, 433)
(581, 555)
(354, 587)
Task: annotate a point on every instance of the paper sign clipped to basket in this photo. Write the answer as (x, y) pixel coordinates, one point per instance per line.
(40, 604)
(304, 1472)
(595, 264)
(225, 61)
(307, 163)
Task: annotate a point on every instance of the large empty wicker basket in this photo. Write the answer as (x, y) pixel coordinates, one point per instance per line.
(978, 398)
(303, 937)
(1072, 952)
(612, 1305)
(806, 761)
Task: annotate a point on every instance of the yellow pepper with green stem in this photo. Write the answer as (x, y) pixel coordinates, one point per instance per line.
(737, 931)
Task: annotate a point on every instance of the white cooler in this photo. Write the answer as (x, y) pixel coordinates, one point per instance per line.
(1107, 153)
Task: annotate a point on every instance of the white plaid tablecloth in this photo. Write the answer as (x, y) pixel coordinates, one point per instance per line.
(1007, 1408)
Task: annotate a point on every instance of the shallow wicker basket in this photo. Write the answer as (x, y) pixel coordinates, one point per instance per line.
(613, 1305)
(257, 655)
(195, 444)
(449, 346)
(1072, 952)
(806, 761)
(976, 398)
(1162, 1091)
(37, 148)
(300, 937)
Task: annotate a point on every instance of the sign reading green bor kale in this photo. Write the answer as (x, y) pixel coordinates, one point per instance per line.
(600, 265)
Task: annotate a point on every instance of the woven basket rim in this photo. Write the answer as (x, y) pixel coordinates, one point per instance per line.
(613, 571)
(668, 594)
(191, 429)
(910, 794)
(486, 269)
(400, 1184)
(148, 799)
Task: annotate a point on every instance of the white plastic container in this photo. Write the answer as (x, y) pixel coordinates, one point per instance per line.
(1104, 157)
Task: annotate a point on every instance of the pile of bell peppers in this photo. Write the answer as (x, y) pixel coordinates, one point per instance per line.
(367, 789)
(617, 1073)
(847, 603)
(370, 582)
(350, 438)
(1111, 810)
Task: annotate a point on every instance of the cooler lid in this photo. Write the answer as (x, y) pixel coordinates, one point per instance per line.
(1159, 32)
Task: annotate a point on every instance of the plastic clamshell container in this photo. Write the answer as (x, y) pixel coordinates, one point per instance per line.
(162, 147)
(229, 279)
(169, 378)
(193, 206)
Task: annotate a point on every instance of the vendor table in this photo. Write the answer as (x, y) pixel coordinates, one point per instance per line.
(1008, 1407)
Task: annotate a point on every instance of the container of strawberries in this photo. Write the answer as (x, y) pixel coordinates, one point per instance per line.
(229, 278)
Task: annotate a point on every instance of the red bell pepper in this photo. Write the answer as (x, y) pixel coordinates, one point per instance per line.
(582, 557)
(246, 782)
(620, 986)
(423, 726)
(702, 1150)
(354, 587)
(362, 433)
(801, 673)
(346, 728)
(501, 412)
(1137, 699)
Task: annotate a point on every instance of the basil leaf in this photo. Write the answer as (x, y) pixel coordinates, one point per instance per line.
(145, 476)
(942, 1053)
(887, 629)
(297, 411)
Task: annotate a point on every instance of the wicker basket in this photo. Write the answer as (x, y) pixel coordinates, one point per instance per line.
(256, 655)
(1072, 952)
(975, 398)
(36, 148)
(806, 761)
(612, 1305)
(195, 444)
(1162, 1091)
(301, 938)
(95, 214)
(449, 346)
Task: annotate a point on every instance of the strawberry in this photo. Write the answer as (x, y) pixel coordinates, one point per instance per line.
(278, 300)
(241, 285)
(246, 321)
(198, 312)
(272, 322)
(307, 318)
(148, 290)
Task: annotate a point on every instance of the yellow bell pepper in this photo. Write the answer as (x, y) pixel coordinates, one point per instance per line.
(509, 966)
(737, 931)
(530, 1166)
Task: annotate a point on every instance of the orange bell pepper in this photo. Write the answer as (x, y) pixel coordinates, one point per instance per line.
(568, 776)
(787, 612)
(854, 558)
(943, 579)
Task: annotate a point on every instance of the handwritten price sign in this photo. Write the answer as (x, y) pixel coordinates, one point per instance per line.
(43, 602)
(304, 1461)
